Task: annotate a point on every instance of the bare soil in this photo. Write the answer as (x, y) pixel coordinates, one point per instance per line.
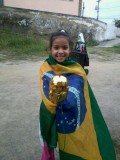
(20, 99)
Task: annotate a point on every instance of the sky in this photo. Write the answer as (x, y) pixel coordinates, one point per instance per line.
(109, 10)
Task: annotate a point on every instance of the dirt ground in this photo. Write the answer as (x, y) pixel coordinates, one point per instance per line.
(20, 99)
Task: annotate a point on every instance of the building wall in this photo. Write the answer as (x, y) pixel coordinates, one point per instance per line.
(57, 6)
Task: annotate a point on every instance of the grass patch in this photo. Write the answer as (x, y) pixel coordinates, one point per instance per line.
(21, 46)
(116, 49)
(104, 51)
(91, 43)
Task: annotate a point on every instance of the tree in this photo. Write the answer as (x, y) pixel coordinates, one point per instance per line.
(117, 23)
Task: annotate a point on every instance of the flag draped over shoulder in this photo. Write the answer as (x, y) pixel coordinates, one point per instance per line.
(76, 123)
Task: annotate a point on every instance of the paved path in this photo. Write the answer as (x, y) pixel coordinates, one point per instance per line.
(110, 43)
(20, 99)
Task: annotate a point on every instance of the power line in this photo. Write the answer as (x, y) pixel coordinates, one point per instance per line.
(108, 18)
(110, 7)
(113, 15)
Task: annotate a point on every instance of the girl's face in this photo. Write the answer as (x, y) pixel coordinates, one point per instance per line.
(60, 49)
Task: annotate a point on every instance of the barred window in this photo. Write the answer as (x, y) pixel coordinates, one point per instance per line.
(1, 3)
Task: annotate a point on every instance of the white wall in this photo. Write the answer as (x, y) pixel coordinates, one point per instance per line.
(111, 32)
(118, 32)
(105, 32)
(102, 32)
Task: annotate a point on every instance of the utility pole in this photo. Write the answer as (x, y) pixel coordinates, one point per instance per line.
(97, 8)
(80, 8)
(83, 7)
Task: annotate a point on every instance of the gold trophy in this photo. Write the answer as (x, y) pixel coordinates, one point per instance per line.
(58, 89)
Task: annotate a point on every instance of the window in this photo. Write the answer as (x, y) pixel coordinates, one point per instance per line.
(1, 3)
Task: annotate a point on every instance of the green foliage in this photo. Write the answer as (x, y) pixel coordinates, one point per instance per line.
(91, 42)
(117, 23)
(116, 49)
(104, 51)
(21, 46)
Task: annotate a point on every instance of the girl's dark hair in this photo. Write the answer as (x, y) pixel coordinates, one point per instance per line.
(58, 33)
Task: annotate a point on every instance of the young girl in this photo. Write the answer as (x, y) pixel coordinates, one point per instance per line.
(72, 120)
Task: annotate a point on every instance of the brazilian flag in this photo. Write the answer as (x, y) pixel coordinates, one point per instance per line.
(76, 124)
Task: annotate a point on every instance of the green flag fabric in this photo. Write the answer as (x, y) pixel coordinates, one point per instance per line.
(75, 124)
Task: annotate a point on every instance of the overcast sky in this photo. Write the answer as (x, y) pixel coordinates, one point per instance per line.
(108, 10)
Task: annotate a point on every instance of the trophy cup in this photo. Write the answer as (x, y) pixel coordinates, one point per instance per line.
(58, 89)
